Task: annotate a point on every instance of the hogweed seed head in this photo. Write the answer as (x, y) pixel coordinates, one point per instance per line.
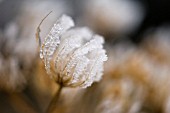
(73, 57)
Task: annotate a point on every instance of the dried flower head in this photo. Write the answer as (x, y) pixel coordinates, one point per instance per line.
(73, 57)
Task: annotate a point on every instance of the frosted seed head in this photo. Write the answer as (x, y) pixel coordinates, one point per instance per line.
(76, 55)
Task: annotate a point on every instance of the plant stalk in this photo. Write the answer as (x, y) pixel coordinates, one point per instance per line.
(52, 105)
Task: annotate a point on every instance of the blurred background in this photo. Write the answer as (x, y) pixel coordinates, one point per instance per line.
(137, 39)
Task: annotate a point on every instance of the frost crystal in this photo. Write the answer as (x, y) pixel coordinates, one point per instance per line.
(73, 57)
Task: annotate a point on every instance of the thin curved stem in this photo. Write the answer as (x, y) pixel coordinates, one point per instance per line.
(37, 35)
(52, 105)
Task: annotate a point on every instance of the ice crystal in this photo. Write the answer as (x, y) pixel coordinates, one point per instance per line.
(73, 57)
(52, 40)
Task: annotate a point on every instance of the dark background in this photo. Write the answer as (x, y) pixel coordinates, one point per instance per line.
(157, 13)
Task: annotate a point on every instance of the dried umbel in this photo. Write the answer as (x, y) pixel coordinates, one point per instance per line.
(73, 57)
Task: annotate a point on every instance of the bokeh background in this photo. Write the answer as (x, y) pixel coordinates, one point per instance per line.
(137, 39)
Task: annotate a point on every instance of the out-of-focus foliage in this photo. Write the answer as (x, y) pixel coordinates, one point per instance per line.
(136, 76)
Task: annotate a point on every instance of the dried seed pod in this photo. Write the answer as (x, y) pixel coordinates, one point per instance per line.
(73, 57)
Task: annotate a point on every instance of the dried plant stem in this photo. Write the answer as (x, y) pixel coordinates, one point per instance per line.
(37, 35)
(52, 105)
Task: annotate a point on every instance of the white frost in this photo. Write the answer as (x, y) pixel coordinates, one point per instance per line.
(74, 57)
